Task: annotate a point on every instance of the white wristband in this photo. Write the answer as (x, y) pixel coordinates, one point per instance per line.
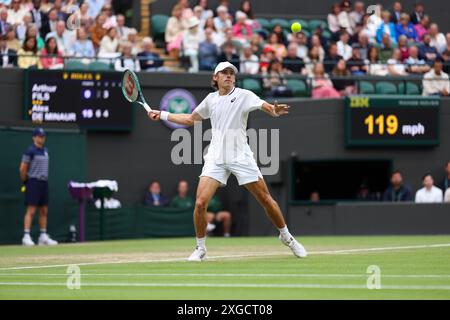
(164, 115)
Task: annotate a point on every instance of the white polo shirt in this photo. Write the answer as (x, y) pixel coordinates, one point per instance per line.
(434, 195)
(229, 116)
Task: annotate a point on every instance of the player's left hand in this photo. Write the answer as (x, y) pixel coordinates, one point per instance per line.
(280, 109)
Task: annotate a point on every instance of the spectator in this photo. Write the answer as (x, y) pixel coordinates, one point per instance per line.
(33, 31)
(332, 57)
(386, 27)
(344, 17)
(148, 59)
(363, 45)
(403, 47)
(127, 60)
(246, 7)
(174, 32)
(302, 47)
(373, 21)
(278, 30)
(58, 6)
(28, 54)
(215, 213)
(395, 65)
(207, 12)
(318, 34)
(426, 51)
(249, 61)
(133, 39)
(191, 42)
(277, 46)
(315, 42)
(198, 13)
(357, 14)
(436, 82)
(182, 200)
(274, 80)
(369, 29)
(385, 50)
(208, 52)
(15, 13)
(97, 31)
(12, 42)
(429, 193)
(397, 191)
(447, 196)
(310, 61)
(437, 38)
(445, 182)
(292, 63)
(111, 20)
(345, 87)
(418, 14)
(51, 56)
(4, 24)
(229, 54)
(85, 19)
(446, 58)
(218, 38)
(321, 85)
(396, 12)
(36, 13)
(355, 64)
(21, 29)
(376, 67)
(267, 55)
(154, 197)
(415, 65)
(314, 196)
(343, 48)
(8, 57)
(109, 44)
(95, 6)
(222, 21)
(122, 29)
(83, 47)
(333, 19)
(242, 30)
(49, 24)
(64, 38)
(187, 11)
(422, 27)
(407, 28)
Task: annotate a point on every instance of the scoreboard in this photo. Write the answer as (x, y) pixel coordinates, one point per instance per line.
(92, 100)
(391, 121)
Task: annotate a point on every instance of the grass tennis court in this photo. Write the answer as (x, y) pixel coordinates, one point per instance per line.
(412, 267)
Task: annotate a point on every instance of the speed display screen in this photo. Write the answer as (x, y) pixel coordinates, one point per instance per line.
(395, 121)
(92, 100)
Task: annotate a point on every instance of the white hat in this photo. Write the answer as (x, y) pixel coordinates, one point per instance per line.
(193, 22)
(221, 8)
(224, 65)
(240, 15)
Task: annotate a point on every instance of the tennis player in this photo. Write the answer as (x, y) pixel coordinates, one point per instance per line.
(228, 109)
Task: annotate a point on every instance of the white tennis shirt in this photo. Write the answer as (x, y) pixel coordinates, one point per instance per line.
(228, 115)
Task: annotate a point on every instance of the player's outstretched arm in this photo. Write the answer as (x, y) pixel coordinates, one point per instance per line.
(275, 110)
(184, 119)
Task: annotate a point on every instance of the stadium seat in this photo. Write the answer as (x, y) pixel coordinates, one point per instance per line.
(98, 65)
(75, 65)
(264, 23)
(313, 24)
(298, 87)
(263, 33)
(304, 23)
(282, 22)
(326, 34)
(366, 87)
(384, 87)
(252, 85)
(411, 88)
(159, 22)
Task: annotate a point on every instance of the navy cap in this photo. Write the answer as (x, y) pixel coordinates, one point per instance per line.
(38, 132)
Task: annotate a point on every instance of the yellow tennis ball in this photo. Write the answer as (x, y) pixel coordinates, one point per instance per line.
(296, 27)
(23, 189)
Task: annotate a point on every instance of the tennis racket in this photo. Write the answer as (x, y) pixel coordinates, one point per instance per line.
(131, 89)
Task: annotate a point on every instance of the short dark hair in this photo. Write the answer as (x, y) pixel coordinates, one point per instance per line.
(427, 175)
(396, 172)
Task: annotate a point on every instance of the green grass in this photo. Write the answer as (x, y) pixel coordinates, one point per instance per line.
(238, 268)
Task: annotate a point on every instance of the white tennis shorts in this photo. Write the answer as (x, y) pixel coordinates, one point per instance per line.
(244, 171)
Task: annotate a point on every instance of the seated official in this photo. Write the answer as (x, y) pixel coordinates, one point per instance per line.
(429, 193)
(154, 197)
(397, 192)
(215, 213)
(182, 200)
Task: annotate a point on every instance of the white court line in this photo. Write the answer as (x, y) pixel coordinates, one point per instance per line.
(235, 256)
(228, 285)
(254, 275)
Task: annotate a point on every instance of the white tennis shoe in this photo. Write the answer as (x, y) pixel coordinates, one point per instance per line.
(45, 240)
(27, 241)
(198, 255)
(295, 246)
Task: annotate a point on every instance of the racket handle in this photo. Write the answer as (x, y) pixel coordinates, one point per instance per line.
(146, 107)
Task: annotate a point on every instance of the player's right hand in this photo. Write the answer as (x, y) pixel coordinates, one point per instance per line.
(154, 115)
